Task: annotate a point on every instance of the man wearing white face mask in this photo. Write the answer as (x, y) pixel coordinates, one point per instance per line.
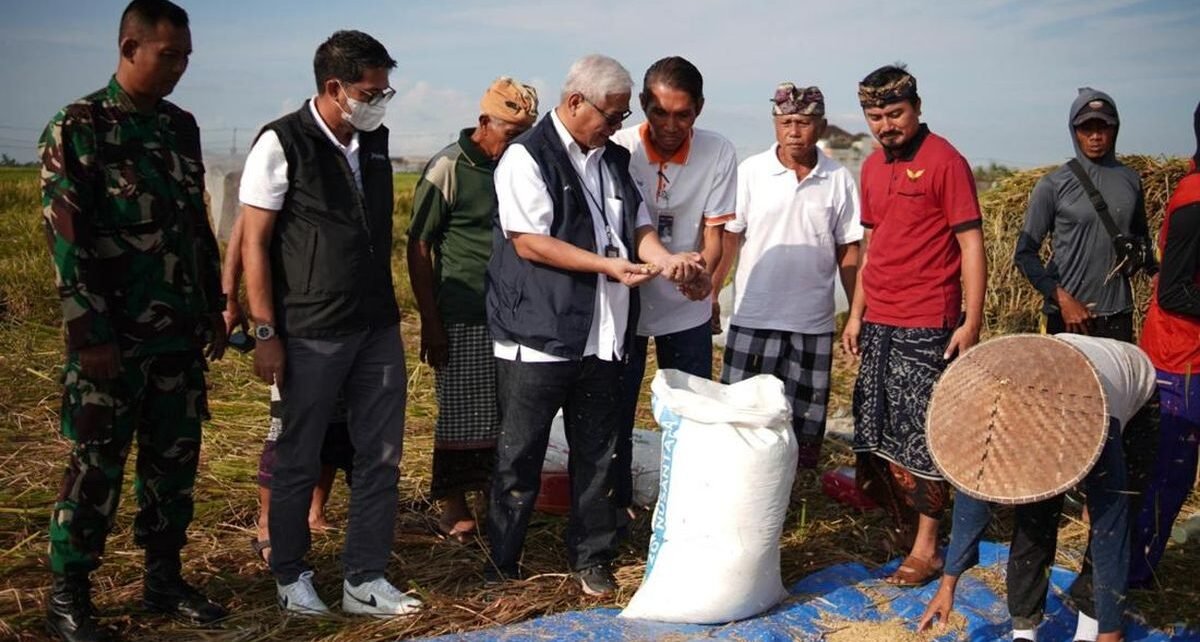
(316, 198)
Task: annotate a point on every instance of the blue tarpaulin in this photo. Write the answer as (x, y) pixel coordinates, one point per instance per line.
(847, 592)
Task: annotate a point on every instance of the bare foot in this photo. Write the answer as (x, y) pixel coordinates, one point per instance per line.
(459, 530)
(456, 521)
(317, 523)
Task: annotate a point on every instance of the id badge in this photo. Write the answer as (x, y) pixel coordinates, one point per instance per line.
(666, 228)
(611, 251)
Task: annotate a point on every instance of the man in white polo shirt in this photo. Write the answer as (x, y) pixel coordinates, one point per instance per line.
(688, 178)
(797, 227)
(566, 248)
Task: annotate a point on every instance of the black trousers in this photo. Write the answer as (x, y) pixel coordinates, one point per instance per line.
(1034, 542)
(588, 391)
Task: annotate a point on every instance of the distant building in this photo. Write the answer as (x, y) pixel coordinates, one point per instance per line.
(222, 177)
(408, 164)
(846, 148)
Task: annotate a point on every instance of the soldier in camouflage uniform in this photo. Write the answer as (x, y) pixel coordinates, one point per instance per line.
(138, 273)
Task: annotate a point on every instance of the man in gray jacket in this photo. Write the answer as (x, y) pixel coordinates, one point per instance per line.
(1083, 293)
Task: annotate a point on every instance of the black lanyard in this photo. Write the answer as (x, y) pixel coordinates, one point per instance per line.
(600, 203)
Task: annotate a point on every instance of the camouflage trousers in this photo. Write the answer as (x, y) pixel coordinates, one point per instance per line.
(160, 400)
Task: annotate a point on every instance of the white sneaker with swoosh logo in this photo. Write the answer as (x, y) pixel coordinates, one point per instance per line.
(300, 597)
(378, 598)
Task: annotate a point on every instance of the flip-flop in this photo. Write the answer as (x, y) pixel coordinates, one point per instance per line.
(914, 572)
(262, 549)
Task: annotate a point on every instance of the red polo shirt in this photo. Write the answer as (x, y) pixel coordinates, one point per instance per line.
(914, 202)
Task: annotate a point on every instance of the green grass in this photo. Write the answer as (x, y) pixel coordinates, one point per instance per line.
(818, 532)
(17, 174)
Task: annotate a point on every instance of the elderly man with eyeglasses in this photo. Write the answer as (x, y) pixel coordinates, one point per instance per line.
(571, 242)
(317, 240)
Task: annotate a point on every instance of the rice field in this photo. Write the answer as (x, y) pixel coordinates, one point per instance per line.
(447, 576)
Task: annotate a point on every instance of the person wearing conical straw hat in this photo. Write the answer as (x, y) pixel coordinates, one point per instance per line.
(921, 258)
(1018, 420)
(1171, 337)
(449, 243)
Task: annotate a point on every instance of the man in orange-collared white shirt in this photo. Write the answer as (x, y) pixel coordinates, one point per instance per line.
(688, 180)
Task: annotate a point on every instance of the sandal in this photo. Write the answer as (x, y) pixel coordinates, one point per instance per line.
(262, 549)
(915, 572)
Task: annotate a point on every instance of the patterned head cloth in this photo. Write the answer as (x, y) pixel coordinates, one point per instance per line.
(902, 88)
(790, 99)
(510, 101)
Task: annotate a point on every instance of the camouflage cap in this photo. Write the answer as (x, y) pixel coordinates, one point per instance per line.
(902, 88)
(790, 99)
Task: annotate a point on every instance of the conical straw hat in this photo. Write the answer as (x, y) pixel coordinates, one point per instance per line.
(1017, 419)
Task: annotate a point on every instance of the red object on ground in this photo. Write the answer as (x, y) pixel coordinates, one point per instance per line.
(839, 484)
(555, 496)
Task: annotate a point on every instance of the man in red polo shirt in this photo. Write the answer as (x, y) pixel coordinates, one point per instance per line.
(922, 252)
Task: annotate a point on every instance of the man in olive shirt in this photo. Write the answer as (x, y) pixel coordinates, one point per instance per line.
(449, 244)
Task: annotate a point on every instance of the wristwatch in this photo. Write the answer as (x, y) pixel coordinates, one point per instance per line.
(264, 331)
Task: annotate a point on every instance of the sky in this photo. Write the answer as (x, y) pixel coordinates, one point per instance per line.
(997, 77)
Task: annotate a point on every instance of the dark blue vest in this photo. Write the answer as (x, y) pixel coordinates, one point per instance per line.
(543, 307)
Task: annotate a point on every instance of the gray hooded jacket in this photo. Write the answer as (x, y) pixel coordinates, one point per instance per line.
(1082, 248)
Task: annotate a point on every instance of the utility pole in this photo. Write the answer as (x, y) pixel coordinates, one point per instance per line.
(233, 148)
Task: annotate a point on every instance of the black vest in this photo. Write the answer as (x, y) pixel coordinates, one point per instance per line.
(331, 270)
(543, 307)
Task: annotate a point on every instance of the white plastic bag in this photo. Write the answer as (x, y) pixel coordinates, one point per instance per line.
(728, 462)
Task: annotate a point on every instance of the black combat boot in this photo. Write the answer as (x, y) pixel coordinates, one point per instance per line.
(70, 614)
(164, 591)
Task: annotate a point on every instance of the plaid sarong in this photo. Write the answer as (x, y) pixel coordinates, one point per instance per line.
(801, 361)
(895, 380)
(468, 411)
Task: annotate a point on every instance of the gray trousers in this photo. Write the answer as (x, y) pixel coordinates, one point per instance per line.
(368, 366)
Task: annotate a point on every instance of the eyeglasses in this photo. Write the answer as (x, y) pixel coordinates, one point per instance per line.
(373, 98)
(613, 120)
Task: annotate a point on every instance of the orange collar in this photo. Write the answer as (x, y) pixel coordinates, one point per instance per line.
(680, 156)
